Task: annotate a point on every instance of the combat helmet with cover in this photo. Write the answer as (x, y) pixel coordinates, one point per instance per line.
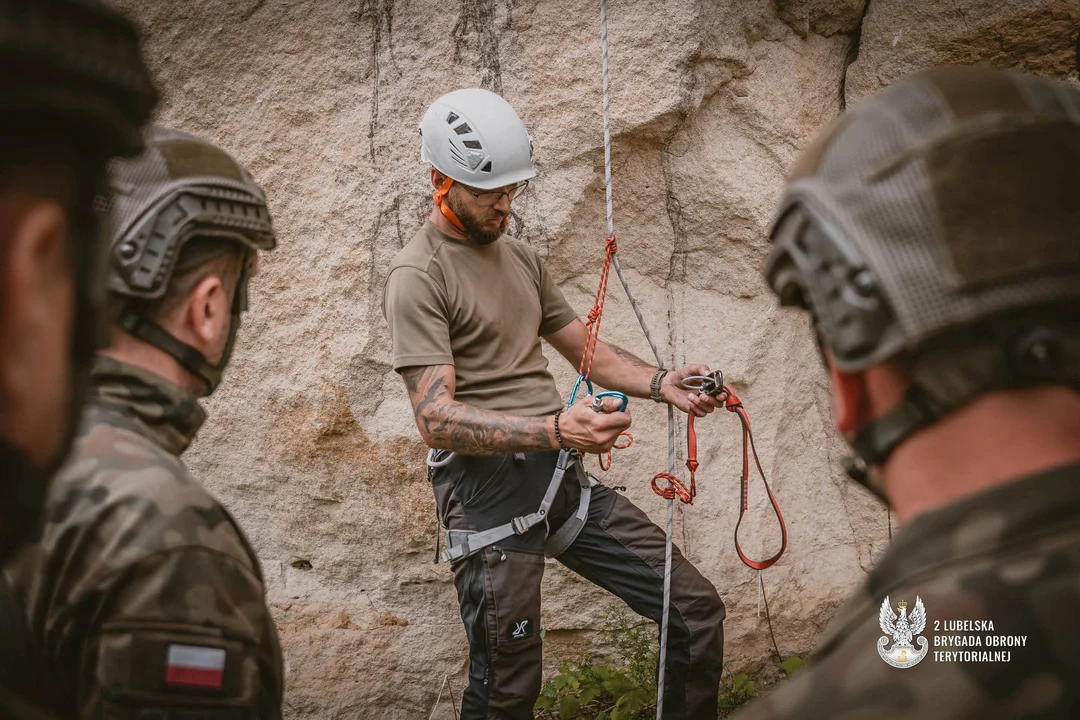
(935, 225)
(180, 189)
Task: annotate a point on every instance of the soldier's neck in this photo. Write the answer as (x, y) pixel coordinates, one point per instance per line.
(994, 440)
(127, 349)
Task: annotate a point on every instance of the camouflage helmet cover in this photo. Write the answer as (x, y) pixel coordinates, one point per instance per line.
(948, 198)
(179, 188)
(937, 222)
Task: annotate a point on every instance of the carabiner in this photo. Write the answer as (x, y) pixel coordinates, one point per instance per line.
(598, 399)
(711, 384)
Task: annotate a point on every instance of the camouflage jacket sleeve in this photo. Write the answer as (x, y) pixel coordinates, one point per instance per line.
(184, 627)
(144, 596)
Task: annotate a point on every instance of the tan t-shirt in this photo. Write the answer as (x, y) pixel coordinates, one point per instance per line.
(481, 310)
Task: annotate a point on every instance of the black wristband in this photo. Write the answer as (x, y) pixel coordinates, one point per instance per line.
(558, 435)
(654, 386)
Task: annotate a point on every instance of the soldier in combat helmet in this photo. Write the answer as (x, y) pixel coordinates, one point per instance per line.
(142, 596)
(932, 235)
(73, 92)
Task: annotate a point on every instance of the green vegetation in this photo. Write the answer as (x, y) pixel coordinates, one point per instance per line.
(624, 688)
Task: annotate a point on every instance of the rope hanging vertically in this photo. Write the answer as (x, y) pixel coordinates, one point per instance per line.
(614, 261)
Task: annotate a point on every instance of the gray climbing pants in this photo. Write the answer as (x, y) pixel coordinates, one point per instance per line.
(619, 549)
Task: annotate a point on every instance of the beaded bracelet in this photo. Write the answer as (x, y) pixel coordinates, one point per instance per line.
(558, 435)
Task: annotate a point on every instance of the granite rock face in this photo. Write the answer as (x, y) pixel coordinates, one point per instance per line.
(311, 442)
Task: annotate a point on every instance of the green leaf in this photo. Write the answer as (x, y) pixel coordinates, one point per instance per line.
(792, 665)
(544, 702)
(740, 681)
(568, 707)
(617, 685)
(748, 688)
(589, 694)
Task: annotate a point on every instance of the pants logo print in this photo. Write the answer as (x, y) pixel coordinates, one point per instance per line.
(522, 628)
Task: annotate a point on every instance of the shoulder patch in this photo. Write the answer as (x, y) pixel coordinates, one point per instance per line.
(143, 665)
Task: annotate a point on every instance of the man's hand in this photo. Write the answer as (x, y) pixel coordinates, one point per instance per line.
(673, 393)
(593, 431)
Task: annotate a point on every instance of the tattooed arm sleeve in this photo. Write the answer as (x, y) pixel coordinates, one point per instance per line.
(446, 424)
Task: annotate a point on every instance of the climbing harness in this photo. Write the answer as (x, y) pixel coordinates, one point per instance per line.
(713, 386)
(464, 543)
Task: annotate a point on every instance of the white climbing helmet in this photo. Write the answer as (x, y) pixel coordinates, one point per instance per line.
(475, 137)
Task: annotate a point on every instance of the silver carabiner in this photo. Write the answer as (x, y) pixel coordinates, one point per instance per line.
(711, 384)
(433, 460)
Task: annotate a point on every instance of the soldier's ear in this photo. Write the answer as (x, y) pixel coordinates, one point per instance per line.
(207, 314)
(850, 399)
(37, 286)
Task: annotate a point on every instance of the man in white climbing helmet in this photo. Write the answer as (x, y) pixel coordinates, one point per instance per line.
(467, 307)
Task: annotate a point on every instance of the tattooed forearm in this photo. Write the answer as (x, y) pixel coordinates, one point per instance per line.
(630, 357)
(451, 425)
(617, 369)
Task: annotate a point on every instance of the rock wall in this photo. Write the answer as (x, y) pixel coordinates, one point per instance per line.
(311, 441)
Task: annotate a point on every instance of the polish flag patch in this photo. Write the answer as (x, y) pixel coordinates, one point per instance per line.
(193, 666)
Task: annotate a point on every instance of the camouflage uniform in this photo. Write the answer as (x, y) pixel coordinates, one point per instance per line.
(1010, 555)
(934, 227)
(136, 560)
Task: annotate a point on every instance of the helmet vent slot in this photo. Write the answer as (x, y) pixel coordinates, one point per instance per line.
(451, 119)
(473, 144)
(463, 129)
(487, 167)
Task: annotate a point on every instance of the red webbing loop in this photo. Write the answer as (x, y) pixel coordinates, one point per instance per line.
(678, 489)
(734, 405)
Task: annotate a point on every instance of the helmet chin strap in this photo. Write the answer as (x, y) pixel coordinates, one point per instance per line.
(190, 358)
(444, 207)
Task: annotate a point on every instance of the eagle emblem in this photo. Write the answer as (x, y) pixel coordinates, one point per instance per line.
(900, 629)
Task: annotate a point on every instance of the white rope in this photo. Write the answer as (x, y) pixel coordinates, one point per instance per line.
(662, 660)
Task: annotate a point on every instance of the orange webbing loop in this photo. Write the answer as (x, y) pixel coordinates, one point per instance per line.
(440, 202)
(617, 446)
(676, 489)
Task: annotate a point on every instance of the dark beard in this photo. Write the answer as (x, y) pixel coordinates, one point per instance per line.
(474, 229)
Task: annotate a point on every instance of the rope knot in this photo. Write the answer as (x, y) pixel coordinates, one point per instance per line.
(612, 246)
